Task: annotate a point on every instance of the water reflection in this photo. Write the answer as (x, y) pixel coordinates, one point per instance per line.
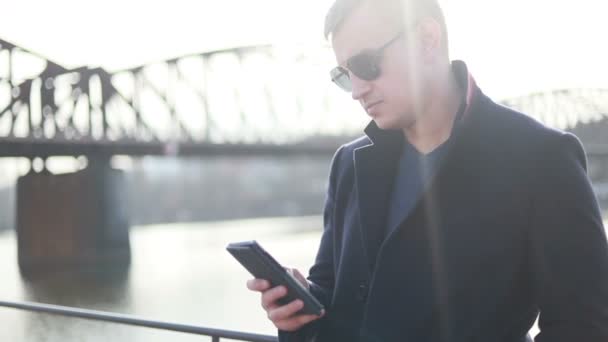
(104, 290)
(179, 273)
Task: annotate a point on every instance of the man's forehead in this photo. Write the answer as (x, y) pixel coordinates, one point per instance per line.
(364, 28)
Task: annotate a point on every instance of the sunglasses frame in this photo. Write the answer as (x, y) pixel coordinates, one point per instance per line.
(341, 75)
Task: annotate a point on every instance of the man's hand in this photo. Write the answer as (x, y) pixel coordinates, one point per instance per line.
(284, 317)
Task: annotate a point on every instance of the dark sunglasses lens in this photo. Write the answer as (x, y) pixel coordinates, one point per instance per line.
(340, 77)
(364, 66)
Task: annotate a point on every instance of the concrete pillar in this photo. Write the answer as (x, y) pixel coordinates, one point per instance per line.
(74, 220)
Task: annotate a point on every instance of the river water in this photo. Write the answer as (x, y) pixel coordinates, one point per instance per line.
(179, 273)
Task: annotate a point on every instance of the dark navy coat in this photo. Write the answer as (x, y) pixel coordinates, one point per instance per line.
(508, 227)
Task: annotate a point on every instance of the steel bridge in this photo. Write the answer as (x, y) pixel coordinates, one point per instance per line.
(581, 111)
(258, 99)
(243, 100)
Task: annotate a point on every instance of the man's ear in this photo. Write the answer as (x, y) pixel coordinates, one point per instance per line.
(430, 38)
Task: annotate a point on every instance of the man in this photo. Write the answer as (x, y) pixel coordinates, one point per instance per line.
(454, 218)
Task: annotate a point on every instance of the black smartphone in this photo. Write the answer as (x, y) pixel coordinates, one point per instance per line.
(263, 266)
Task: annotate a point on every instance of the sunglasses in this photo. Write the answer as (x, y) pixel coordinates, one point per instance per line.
(365, 65)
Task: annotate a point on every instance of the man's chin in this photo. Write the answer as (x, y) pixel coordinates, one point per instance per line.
(386, 124)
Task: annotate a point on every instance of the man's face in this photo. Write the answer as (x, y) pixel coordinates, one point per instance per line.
(388, 99)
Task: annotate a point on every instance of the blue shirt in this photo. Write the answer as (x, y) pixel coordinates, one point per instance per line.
(414, 172)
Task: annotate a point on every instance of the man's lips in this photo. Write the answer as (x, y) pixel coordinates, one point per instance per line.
(371, 105)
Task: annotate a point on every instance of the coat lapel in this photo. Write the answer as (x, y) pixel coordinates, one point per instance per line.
(462, 149)
(413, 258)
(375, 167)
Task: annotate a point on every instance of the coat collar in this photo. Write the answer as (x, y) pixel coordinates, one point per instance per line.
(471, 92)
(375, 167)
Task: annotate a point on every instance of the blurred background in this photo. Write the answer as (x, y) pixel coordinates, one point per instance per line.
(183, 126)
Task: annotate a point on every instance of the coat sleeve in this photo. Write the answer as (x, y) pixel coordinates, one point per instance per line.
(321, 274)
(569, 252)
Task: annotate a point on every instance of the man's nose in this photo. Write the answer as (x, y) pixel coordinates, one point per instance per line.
(359, 87)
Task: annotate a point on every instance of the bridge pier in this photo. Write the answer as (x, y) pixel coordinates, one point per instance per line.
(76, 220)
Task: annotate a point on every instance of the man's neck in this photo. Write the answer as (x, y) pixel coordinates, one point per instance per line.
(436, 118)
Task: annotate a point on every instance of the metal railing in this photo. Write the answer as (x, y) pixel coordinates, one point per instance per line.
(214, 334)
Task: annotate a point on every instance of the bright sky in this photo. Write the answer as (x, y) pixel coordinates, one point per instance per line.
(512, 47)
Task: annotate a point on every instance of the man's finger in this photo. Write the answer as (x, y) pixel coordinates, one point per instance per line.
(301, 278)
(270, 297)
(258, 285)
(296, 322)
(283, 312)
